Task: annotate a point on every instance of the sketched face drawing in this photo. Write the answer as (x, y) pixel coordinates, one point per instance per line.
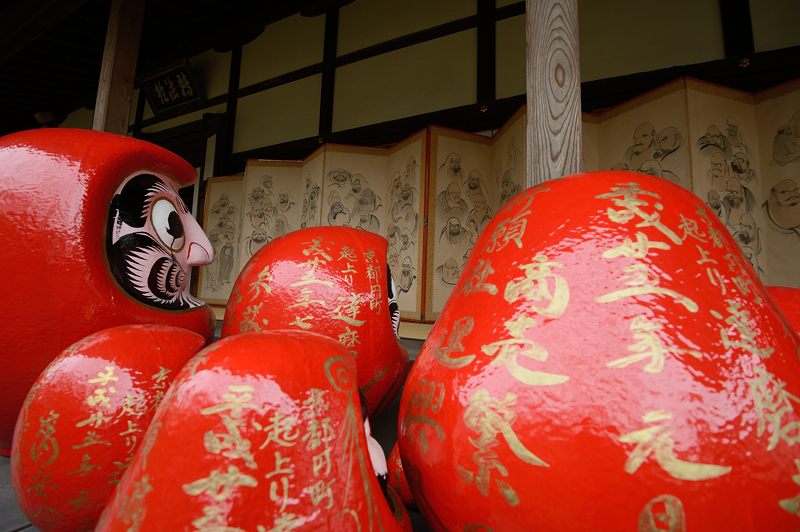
(783, 205)
(284, 200)
(669, 139)
(787, 193)
(453, 227)
(474, 180)
(258, 217)
(393, 259)
(507, 187)
(453, 195)
(280, 225)
(259, 235)
(406, 274)
(449, 271)
(407, 195)
(717, 165)
(339, 176)
(355, 184)
(740, 163)
(734, 194)
(746, 231)
(257, 196)
(643, 137)
(397, 187)
(454, 164)
(367, 202)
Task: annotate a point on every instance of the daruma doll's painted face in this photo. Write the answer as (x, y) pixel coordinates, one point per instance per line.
(153, 241)
(94, 236)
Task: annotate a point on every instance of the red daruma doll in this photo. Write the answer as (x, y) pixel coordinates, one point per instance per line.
(94, 236)
(259, 431)
(608, 359)
(333, 281)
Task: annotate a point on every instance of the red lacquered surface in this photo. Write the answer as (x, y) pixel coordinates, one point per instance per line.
(399, 512)
(788, 301)
(249, 437)
(56, 186)
(85, 416)
(607, 360)
(397, 478)
(328, 280)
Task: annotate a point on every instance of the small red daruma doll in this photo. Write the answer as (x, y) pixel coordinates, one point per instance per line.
(86, 415)
(330, 280)
(260, 431)
(94, 235)
(608, 359)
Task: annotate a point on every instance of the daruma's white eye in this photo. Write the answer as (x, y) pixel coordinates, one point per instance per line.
(167, 224)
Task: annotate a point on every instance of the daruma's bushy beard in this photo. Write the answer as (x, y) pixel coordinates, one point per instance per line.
(394, 308)
(149, 273)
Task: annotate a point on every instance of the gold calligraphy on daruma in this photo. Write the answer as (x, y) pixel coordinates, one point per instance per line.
(490, 417)
(656, 441)
(546, 296)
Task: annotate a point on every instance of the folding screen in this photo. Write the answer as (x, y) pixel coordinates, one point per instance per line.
(374, 189)
(469, 178)
(778, 114)
(222, 223)
(737, 151)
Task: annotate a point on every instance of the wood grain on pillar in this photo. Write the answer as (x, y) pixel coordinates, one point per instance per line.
(118, 71)
(553, 90)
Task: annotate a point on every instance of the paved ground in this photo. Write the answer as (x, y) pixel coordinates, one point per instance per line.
(384, 430)
(11, 518)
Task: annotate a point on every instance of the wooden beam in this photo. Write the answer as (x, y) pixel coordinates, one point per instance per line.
(486, 52)
(328, 74)
(737, 28)
(553, 90)
(118, 71)
(224, 147)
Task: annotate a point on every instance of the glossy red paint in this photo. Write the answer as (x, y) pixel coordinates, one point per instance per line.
(787, 300)
(85, 416)
(608, 360)
(260, 429)
(57, 185)
(332, 281)
(399, 512)
(397, 478)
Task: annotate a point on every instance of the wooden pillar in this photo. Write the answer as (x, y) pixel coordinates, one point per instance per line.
(118, 71)
(553, 90)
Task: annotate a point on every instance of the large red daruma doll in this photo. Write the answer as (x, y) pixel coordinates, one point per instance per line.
(333, 281)
(85, 416)
(260, 431)
(94, 235)
(608, 359)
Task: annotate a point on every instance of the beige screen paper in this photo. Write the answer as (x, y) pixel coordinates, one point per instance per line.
(405, 229)
(460, 167)
(779, 137)
(726, 164)
(313, 171)
(272, 203)
(648, 135)
(222, 222)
